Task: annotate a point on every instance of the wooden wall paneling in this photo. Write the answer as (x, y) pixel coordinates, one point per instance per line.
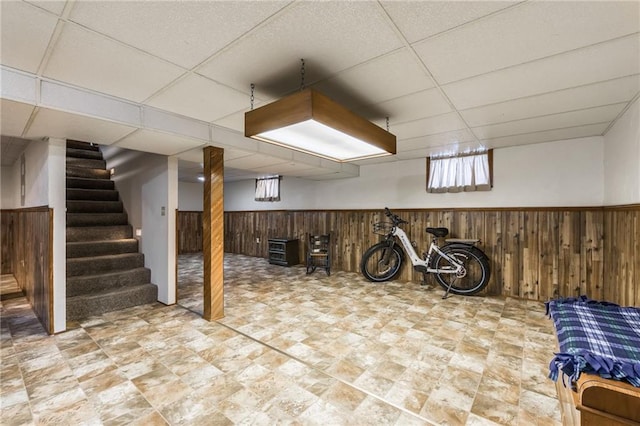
(529, 256)
(189, 231)
(569, 253)
(511, 255)
(492, 237)
(7, 223)
(635, 237)
(592, 246)
(549, 253)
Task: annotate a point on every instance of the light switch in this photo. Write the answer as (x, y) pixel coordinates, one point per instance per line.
(162, 211)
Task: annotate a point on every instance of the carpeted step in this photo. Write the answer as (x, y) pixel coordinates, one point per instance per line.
(88, 284)
(84, 153)
(81, 145)
(101, 248)
(92, 194)
(98, 233)
(81, 183)
(100, 264)
(77, 206)
(80, 307)
(86, 163)
(96, 219)
(83, 172)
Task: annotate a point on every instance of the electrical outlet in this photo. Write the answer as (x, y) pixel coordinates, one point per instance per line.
(258, 240)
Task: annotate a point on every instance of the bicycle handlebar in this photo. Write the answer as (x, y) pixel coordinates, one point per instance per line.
(394, 217)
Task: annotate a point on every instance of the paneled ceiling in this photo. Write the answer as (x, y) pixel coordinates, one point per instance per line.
(171, 77)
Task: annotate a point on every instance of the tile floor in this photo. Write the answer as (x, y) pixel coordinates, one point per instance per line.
(292, 349)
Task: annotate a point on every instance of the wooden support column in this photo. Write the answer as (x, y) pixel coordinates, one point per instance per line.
(213, 233)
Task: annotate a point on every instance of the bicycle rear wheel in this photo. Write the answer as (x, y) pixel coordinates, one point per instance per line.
(381, 262)
(475, 275)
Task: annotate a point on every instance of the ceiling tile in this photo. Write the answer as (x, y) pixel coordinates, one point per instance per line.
(532, 31)
(606, 61)
(448, 138)
(157, 142)
(429, 126)
(595, 115)
(547, 136)
(390, 76)
(254, 161)
(64, 125)
(54, 6)
(199, 97)
(605, 93)
(426, 103)
(88, 60)
(25, 35)
(185, 33)
(234, 121)
(330, 36)
(14, 117)
(421, 19)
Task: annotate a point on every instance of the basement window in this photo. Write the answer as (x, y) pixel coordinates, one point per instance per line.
(268, 189)
(460, 173)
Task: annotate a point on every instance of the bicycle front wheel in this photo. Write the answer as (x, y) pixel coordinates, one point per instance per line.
(381, 262)
(475, 274)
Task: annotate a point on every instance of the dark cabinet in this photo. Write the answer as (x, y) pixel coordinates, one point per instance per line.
(283, 251)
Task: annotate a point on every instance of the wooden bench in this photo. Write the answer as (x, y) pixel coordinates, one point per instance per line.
(598, 401)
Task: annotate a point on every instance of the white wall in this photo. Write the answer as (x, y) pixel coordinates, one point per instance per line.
(57, 200)
(561, 173)
(622, 159)
(190, 196)
(147, 184)
(36, 156)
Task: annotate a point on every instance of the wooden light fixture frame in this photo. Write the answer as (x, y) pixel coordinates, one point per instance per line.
(309, 104)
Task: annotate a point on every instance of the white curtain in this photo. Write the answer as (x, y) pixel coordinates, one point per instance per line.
(268, 189)
(456, 174)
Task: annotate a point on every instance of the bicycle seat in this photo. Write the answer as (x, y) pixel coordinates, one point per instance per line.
(438, 232)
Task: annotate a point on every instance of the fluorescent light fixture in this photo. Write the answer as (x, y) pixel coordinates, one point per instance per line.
(310, 122)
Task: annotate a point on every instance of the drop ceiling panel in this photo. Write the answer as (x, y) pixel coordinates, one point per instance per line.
(429, 126)
(421, 19)
(65, 125)
(426, 103)
(292, 169)
(54, 6)
(390, 76)
(529, 32)
(254, 161)
(547, 136)
(185, 33)
(233, 121)
(89, 60)
(602, 114)
(442, 139)
(14, 117)
(610, 60)
(157, 142)
(330, 36)
(605, 93)
(25, 35)
(201, 98)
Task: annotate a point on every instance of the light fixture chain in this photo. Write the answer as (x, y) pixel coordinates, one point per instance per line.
(387, 124)
(253, 86)
(302, 71)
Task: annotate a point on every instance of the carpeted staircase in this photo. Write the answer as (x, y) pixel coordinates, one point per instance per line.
(105, 272)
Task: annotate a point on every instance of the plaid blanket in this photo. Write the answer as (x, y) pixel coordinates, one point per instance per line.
(596, 337)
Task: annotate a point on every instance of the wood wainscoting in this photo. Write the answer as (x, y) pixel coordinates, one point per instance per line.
(536, 253)
(189, 229)
(27, 241)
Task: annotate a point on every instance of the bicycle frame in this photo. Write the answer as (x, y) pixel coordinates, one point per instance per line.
(424, 263)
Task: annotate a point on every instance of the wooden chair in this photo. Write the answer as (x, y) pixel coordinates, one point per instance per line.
(319, 253)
